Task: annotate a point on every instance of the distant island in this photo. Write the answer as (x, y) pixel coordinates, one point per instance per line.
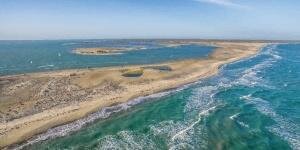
(100, 51)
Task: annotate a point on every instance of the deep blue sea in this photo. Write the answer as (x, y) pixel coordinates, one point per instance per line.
(251, 104)
(32, 56)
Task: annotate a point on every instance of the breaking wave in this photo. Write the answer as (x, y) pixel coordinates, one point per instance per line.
(126, 140)
(46, 66)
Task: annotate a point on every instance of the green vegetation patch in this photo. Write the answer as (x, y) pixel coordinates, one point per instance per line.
(133, 72)
(160, 68)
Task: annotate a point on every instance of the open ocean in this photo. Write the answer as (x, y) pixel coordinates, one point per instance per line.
(251, 104)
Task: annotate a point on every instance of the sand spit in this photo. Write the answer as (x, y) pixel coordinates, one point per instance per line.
(33, 103)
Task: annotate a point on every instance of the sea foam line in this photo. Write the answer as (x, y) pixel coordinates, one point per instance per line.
(45, 66)
(200, 116)
(249, 77)
(234, 116)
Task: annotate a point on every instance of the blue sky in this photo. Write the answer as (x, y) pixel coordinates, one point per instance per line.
(81, 19)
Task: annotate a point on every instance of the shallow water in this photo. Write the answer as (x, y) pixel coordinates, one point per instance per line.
(32, 56)
(250, 104)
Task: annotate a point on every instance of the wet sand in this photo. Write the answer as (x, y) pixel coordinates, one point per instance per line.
(32, 103)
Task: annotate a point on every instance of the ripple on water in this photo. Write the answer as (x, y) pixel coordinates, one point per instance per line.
(284, 127)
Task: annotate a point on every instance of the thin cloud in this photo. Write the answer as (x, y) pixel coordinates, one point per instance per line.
(226, 3)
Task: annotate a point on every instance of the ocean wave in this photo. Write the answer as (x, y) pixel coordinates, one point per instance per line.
(200, 104)
(126, 140)
(71, 43)
(250, 77)
(181, 133)
(270, 52)
(242, 124)
(46, 66)
(293, 61)
(284, 128)
(193, 138)
(234, 116)
(200, 98)
(222, 68)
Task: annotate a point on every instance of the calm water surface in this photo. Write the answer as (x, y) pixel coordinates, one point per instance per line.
(32, 56)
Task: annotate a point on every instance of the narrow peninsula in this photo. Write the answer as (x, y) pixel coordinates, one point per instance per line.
(34, 102)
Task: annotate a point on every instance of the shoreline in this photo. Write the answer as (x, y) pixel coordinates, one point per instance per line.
(103, 113)
(152, 81)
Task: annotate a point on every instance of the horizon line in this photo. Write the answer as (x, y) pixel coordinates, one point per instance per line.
(213, 39)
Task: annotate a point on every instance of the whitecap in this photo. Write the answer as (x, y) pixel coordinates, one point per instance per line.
(234, 116)
(181, 133)
(201, 98)
(70, 43)
(184, 134)
(250, 76)
(127, 140)
(242, 124)
(194, 138)
(46, 66)
(270, 52)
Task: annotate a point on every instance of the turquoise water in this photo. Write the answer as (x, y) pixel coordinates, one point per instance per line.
(250, 104)
(32, 56)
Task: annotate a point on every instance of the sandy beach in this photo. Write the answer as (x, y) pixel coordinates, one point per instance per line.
(32, 103)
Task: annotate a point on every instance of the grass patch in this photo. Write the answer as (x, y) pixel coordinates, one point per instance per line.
(133, 72)
(160, 68)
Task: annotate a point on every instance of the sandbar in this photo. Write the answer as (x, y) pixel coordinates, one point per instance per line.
(34, 102)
